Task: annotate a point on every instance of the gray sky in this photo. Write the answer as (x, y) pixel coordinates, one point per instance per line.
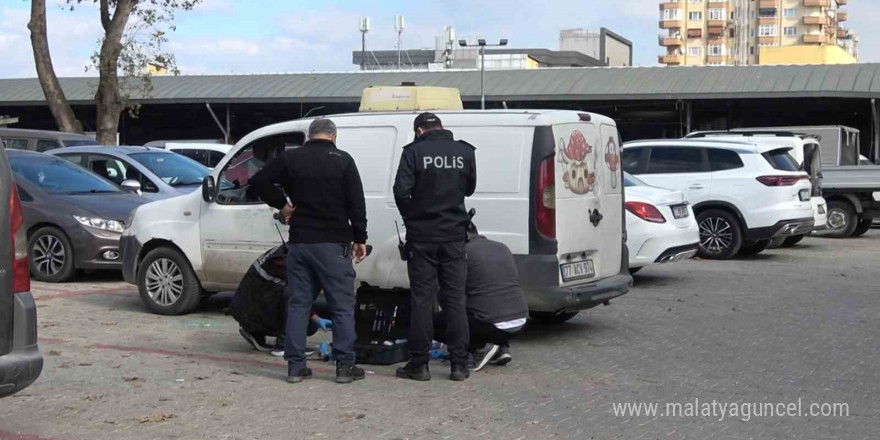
(238, 36)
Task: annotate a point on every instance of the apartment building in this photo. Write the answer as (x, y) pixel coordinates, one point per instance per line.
(753, 32)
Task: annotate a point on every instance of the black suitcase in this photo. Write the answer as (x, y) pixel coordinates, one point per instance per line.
(382, 324)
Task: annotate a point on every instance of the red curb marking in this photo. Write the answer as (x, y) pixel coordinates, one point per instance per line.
(209, 357)
(5, 435)
(75, 293)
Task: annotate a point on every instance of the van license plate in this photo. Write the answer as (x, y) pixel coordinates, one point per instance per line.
(680, 211)
(576, 271)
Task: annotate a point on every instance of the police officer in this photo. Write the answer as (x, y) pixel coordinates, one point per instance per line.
(327, 231)
(436, 173)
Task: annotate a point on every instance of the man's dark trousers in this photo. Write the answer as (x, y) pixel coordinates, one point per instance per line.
(437, 271)
(311, 267)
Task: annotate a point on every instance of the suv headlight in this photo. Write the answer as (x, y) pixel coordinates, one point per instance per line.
(100, 223)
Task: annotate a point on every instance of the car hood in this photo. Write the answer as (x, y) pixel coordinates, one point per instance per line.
(106, 206)
(660, 196)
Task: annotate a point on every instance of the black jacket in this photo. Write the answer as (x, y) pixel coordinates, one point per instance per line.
(435, 174)
(493, 291)
(323, 184)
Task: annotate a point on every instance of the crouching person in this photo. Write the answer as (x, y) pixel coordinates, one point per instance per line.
(496, 307)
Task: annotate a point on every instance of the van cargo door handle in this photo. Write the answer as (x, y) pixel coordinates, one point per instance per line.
(595, 217)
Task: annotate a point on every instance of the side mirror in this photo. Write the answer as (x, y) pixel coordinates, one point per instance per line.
(131, 185)
(209, 189)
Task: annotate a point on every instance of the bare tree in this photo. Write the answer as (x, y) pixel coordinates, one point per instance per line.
(55, 99)
(133, 38)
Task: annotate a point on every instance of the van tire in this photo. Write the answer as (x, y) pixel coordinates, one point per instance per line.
(724, 221)
(550, 318)
(842, 220)
(862, 227)
(50, 239)
(175, 289)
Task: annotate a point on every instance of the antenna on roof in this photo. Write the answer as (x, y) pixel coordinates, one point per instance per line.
(398, 27)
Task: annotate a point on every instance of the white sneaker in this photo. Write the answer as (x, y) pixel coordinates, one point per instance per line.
(483, 356)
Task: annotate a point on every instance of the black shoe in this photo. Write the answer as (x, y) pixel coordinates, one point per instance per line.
(502, 357)
(414, 372)
(459, 373)
(349, 373)
(297, 375)
(483, 356)
(259, 343)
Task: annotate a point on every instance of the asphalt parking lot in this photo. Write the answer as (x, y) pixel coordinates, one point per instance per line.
(785, 326)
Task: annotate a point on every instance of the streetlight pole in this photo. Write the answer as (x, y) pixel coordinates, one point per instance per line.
(482, 44)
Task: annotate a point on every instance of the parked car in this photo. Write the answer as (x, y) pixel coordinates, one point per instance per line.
(156, 173)
(73, 217)
(42, 140)
(20, 359)
(744, 194)
(660, 225)
(163, 142)
(549, 187)
(208, 155)
(806, 151)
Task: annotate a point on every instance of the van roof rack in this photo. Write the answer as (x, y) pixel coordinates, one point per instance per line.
(737, 132)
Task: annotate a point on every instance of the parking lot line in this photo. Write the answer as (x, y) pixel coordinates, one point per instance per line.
(65, 294)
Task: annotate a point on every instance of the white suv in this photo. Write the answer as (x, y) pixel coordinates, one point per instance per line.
(743, 193)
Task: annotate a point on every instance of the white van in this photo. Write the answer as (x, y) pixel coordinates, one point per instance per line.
(549, 186)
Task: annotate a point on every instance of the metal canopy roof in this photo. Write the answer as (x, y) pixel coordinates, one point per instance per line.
(571, 84)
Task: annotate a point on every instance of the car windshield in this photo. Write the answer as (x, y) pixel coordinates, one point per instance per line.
(172, 168)
(58, 176)
(78, 142)
(629, 180)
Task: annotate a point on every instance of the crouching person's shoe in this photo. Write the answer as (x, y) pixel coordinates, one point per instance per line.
(297, 375)
(414, 372)
(349, 373)
(459, 373)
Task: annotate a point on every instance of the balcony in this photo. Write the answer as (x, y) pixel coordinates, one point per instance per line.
(817, 3)
(716, 58)
(671, 41)
(767, 40)
(842, 15)
(815, 39)
(717, 23)
(695, 33)
(817, 20)
(670, 5)
(767, 4)
(671, 59)
(718, 5)
(767, 20)
(671, 24)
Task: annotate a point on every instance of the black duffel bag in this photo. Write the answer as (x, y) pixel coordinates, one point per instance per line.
(258, 304)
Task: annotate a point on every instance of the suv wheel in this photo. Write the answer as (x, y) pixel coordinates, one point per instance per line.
(51, 255)
(167, 283)
(842, 221)
(720, 234)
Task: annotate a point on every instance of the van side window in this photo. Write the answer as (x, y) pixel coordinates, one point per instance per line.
(674, 160)
(15, 144)
(633, 160)
(44, 145)
(235, 177)
(722, 160)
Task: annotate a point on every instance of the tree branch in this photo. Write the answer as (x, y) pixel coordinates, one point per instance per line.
(105, 14)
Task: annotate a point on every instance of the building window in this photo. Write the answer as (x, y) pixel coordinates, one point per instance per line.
(717, 14)
(790, 31)
(752, 50)
(767, 30)
(768, 44)
(670, 14)
(721, 63)
(767, 12)
(695, 51)
(717, 50)
(752, 32)
(695, 16)
(790, 13)
(695, 1)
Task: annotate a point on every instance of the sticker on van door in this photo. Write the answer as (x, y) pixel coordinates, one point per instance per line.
(612, 159)
(575, 159)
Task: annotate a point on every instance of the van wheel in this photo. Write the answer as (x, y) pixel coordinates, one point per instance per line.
(720, 234)
(51, 255)
(863, 227)
(167, 283)
(551, 318)
(791, 241)
(842, 221)
(750, 248)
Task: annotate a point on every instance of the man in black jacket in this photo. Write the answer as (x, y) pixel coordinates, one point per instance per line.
(435, 174)
(328, 229)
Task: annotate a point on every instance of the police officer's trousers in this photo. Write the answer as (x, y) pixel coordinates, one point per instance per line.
(437, 271)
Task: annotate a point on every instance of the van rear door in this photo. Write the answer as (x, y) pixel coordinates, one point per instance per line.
(588, 202)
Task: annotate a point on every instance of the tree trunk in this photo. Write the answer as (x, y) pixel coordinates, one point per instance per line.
(55, 99)
(108, 99)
